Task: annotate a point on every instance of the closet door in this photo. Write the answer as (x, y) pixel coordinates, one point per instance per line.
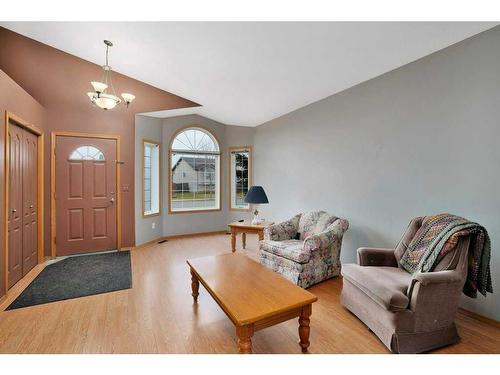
(30, 199)
(23, 201)
(15, 214)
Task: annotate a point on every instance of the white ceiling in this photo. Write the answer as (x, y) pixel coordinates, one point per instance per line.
(249, 73)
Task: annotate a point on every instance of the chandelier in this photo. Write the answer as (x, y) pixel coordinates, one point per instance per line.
(104, 95)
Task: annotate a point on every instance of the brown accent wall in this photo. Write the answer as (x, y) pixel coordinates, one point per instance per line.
(13, 99)
(59, 82)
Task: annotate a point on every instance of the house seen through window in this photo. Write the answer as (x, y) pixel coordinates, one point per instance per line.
(195, 171)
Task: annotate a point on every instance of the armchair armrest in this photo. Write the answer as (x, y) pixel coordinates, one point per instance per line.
(282, 231)
(322, 240)
(319, 241)
(440, 277)
(369, 256)
(430, 289)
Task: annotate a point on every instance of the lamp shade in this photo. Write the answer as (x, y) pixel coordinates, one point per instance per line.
(256, 195)
(128, 97)
(106, 101)
(99, 87)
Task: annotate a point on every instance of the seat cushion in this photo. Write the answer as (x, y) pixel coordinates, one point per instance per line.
(385, 285)
(289, 249)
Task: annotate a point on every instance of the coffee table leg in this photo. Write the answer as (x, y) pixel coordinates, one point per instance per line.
(244, 239)
(304, 329)
(195, 286)
(245, 334)
(233, 242)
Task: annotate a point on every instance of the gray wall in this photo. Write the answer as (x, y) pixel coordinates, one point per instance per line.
(147, 128)
(167, 224)
(422, 139)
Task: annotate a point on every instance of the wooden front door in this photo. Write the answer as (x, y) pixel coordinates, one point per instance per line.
(85, 195)
(23, 201)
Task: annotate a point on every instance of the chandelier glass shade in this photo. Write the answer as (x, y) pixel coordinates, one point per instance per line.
(104, 95)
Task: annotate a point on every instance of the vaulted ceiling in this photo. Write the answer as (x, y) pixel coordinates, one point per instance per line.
(249, 73)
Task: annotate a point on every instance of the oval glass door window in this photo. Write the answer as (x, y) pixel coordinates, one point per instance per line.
(87, 153)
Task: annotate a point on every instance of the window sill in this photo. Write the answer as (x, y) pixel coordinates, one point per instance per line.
(240, 209)
(172, 212)
(152, 214)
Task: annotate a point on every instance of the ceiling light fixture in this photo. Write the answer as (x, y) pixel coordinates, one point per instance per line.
(107, 99)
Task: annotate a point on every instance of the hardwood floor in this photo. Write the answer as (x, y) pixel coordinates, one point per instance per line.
(158, 315)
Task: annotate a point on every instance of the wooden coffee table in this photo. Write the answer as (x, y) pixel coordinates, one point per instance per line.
(252, 296)
(245, 227)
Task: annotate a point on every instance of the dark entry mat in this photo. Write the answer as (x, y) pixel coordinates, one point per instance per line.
(78, 277)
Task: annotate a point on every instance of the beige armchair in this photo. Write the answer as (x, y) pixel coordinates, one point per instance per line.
(409, 313)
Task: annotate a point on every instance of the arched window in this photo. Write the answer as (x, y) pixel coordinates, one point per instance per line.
(87, 153)
(194, 171)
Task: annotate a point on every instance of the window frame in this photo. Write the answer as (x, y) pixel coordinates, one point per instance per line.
(170, 177)
(144, 214)
(230, 174)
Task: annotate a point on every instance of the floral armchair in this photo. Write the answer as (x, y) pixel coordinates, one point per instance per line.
(304, 249)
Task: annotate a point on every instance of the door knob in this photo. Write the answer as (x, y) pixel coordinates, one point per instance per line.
(31, 206)
(14, 210)
(112, 200)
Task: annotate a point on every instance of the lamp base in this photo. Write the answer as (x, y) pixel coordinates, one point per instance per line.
(256, 219)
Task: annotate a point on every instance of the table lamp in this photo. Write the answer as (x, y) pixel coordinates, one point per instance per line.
(255, 196)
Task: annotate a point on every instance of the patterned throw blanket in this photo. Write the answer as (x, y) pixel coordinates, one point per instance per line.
(438, 236)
